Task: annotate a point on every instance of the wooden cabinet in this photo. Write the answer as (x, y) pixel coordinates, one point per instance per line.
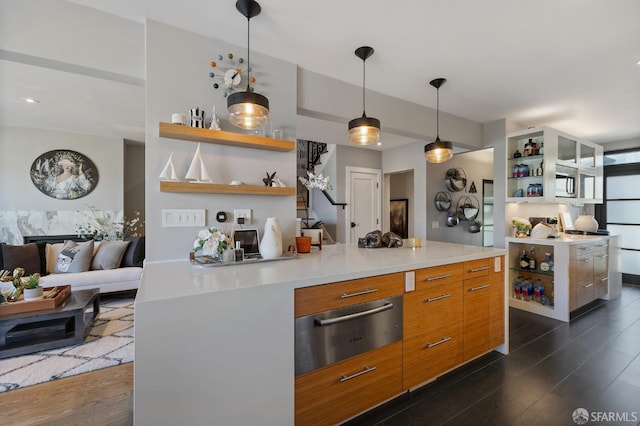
(453, 314)
(338, 391)
(320, 298)
(219, 137)
(432, 324)
(483, 303)
(588, 273)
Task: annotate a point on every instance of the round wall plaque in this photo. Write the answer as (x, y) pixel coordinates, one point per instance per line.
(64, 174)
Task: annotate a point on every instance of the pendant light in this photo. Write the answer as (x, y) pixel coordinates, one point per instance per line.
(364, 130)
(438, 151)
(248, 110)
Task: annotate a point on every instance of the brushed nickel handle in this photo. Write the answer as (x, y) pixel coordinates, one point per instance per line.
(439, 277)
(329, 321)
(604, 279)
(584, 260)
(439, 342)
(360, 293)
(588, 285)
(484, 268)
(366, 370)
(584, 248)
(433, 299)
(604, 256)
(479, 288)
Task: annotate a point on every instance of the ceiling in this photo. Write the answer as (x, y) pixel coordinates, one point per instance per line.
(570, 65)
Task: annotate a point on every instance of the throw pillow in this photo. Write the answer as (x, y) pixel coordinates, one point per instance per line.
(25, 256)
(52, 252)
(134, 256)
(109, 255)
(74, 257)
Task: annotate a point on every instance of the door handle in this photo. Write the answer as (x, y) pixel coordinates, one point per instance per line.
(366, 370)
(353, 225)
(329, 321)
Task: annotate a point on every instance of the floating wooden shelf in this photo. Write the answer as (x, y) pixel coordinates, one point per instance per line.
(216, 188)
(176, 131)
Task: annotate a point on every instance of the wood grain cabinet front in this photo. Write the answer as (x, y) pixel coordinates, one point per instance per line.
(320, 298)
(483, 317)
(331, 394)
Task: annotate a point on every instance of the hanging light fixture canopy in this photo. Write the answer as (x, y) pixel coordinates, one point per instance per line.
(248, 110)
(364, 130)
(438, 151)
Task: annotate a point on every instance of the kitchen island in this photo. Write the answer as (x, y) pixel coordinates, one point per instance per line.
(586, 267)
(215, 345)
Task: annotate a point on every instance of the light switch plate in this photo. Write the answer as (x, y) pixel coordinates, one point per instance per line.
(174, 218)
(497, 264)
(410, 281)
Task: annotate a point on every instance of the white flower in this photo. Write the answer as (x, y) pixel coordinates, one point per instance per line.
(210, 242)
(315, 181)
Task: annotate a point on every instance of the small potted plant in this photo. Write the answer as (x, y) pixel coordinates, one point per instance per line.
(31, 288)
(522, 226)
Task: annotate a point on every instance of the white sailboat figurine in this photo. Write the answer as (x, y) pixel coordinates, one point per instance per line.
(197, 171)
(169, 171)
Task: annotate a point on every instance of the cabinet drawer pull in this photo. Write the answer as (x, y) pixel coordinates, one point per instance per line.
(439, 342)
(433, 299)
(439, 277)
(584, 248)
(584, 260)
(604, 279)
(329, 321)
(479, 288)
(484, 268)
(604, 256)
(366, 370)
(588, 285)
(360, 293)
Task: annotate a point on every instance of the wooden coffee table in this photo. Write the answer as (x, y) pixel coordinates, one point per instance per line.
(68, 324)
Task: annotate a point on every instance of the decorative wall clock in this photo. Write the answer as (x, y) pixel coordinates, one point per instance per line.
(64, 174)
(229, 74)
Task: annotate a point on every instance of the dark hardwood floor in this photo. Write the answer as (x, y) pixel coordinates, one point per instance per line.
(553, 368)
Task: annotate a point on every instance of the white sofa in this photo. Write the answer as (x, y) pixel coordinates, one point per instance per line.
(126, 277)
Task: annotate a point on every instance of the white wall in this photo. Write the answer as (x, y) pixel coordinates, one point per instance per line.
(177, 79)
(411, 158)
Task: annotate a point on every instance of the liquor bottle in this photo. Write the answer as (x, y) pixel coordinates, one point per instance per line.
(524, 260)
(532, 260)
(547, 264)
(537, 290)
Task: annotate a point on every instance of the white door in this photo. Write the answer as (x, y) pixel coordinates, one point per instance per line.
(364, 202)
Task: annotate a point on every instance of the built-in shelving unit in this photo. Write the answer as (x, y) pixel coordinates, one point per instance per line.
(216, 188)
(219, 137)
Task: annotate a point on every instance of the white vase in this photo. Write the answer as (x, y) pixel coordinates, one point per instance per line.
(33, 293)
(586, 223)
(271, 244)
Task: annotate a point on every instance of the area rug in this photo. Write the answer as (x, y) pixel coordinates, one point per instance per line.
(109, 343)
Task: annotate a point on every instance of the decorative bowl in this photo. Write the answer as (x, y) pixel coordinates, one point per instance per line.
(540, 231)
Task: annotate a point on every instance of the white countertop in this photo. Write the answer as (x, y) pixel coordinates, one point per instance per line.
(172, 279)
(563, 238)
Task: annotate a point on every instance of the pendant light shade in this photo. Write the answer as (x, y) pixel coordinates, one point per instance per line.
(248, 110)
(438, 151)
(364, 130)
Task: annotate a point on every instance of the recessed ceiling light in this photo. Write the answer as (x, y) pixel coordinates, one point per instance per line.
(638, 63)
(379, 144)
(31, 101)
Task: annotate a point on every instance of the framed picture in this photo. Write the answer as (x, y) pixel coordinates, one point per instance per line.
(399, 217)
(64, 174)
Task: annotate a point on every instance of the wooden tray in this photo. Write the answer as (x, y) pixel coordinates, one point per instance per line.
(20, 306)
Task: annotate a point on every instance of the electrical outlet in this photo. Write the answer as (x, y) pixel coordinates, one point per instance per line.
(242, 213)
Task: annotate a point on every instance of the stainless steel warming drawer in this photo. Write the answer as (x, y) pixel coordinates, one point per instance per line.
(330, 336)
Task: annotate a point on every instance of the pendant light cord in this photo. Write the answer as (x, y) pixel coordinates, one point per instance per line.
(438, 113)
(364, 76)
(248, 53)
